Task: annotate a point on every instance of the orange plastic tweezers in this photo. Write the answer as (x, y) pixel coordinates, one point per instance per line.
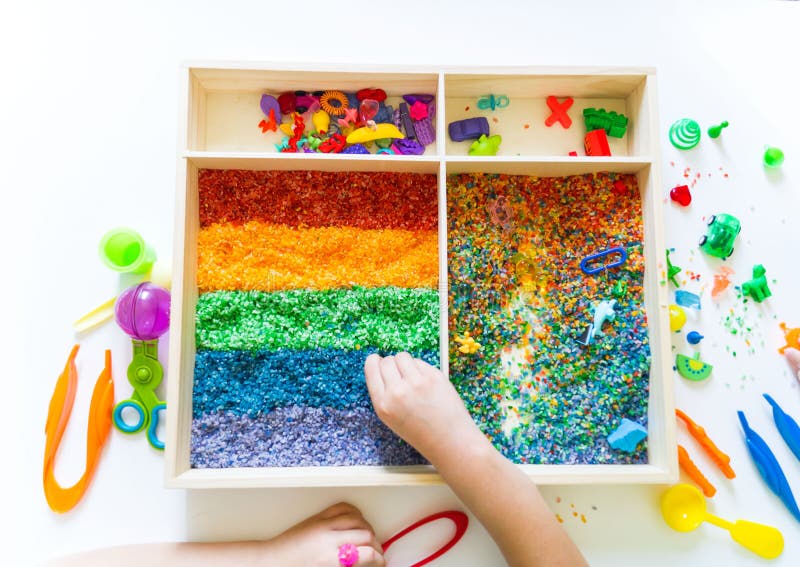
(64, 499)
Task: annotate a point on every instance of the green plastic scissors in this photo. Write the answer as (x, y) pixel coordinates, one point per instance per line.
(144, 373)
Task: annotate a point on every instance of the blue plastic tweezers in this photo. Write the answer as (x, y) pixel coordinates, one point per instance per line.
(768, 466)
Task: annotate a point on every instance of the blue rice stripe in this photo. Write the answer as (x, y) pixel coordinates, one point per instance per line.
(251, 383)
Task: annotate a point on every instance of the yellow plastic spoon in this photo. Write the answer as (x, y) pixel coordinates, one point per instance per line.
(684, 509)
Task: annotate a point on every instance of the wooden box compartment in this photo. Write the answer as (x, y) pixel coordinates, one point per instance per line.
(221, 112)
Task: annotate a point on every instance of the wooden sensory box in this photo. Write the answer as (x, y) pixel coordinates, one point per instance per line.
(219, 112)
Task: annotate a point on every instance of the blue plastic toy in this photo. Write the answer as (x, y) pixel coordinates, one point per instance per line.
(627, 436)
(787, 426)
(687, 299)
(593, 263)
(693, 337)
(768, 467)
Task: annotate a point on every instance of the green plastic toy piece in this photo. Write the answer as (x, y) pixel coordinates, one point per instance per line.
(693, 369)
(672, 271)
(757, 288)
(773, 157)
(715, 131)
(614, 123)
(684, 134)
(722, 231)
(485, 146)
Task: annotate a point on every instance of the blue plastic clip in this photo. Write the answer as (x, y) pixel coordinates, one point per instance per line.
(490, 102)
(594, 257)
(768, 467)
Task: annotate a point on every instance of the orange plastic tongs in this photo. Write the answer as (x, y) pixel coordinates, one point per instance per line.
(721, 459)
(59, 498)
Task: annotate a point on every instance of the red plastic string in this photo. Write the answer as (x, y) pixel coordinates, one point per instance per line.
(460, 520)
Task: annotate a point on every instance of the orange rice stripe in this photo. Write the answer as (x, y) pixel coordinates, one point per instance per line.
(268, 257)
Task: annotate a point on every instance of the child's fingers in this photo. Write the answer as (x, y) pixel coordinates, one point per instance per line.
(369, 557)
(372, 372)
(350, 521)
(389, 371)
(338, 509)
(405, 364)
(427, 370)
(356, 537)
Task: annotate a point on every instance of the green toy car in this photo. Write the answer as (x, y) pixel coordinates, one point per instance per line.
(722, 231)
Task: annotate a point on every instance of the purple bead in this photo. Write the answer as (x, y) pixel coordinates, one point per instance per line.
(407, 146)
(356, 149)
(142, 311)
(412, 98)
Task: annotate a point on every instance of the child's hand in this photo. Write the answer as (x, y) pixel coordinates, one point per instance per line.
(315, 542)
(419, 404)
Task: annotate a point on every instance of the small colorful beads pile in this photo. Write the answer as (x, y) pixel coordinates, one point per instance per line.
(302, 275)
(351, 123)
(516, 286)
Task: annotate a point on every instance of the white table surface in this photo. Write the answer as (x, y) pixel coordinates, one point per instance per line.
(88, 116)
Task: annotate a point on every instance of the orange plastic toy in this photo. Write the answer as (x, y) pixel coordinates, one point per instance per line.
(721, 281)
(64, 499)
(792, 337)
(721, 459)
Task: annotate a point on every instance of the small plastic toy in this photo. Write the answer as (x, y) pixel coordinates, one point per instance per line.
(334, 103)
(722, 231)
(684, 509)
(485, 146)
(693, 337)
(791, 336)
(334, 144)
(287, 102)
(64, 499)
(603, 311)
(501, 213)
(272, 110)
(715, 131)
(595, 143)
(627, 436)
(757, 288)
(721, 459)
(768, 467)
(687, 299)
(367, 111)
(124, 250)
(787, 426)
(672, 271)
(558, 112)
(684, 134)
(378, 95)
(681, 195)
(425, 130)
(773, 157)
(406, 121)
(412, 98)
(367, 134)
(468, 344)
(677, 318)
(418, 110)
(490, 102)
(613, 123)
(142, 312)
(348, 555)
(592, 264)
(350, 118)
(459, 519)
(693, 369)
(468, 129)
(408, 147)
(721, 281)
(321, 121)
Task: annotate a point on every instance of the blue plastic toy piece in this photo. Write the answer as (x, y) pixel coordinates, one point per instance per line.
(693, 337)
(627, 436)
(592, 264)
(787, 426)
(768, 467)
(687, 299)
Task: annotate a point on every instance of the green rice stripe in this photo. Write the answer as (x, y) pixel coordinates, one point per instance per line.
(387, 318)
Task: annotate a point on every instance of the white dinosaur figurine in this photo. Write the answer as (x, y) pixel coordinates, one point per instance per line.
(603, 311)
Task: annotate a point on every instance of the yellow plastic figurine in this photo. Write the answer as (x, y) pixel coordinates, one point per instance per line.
(468, 344)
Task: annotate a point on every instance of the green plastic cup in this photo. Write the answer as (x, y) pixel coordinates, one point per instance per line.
(124, 250)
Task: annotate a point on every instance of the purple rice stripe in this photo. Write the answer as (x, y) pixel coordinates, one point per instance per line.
(297, 437)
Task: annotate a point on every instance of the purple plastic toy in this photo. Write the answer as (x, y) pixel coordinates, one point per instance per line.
(142, 311)
(269, 102)
(468, 129)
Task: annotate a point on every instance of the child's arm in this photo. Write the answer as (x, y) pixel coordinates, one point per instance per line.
(418, 402)
(314, 541)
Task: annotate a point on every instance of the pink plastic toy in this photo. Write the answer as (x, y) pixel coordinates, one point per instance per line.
(721, 281)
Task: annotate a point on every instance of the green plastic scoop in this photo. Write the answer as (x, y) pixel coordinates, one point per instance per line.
(684, 509)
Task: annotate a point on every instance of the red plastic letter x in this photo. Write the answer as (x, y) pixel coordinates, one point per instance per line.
(559, 111)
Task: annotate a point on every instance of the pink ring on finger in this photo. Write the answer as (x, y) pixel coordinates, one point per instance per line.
(348, 555)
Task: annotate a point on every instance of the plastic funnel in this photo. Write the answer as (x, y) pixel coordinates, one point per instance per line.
(124, 250)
